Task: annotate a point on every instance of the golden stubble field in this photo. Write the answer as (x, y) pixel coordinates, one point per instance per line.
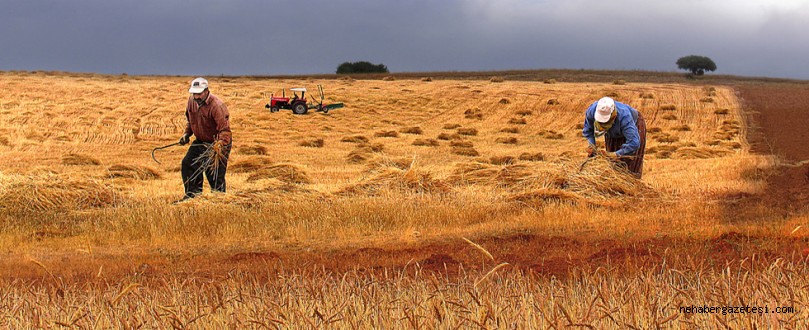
(447, 202)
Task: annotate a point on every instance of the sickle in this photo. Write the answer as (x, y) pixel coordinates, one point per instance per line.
(163, 147)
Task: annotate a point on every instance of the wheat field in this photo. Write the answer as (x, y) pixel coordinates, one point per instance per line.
(367, 217)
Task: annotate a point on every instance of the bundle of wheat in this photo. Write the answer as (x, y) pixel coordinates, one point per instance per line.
(411, 181)
(364, 152)
(354, 139)
(213, 157)
(447, 136)
(412, 130)
(481, 173)
(601, 178)
(77, 159)
(544, 195)
(380, 163)
(242, 199)
(467, 131)
(358, 155)
(249, 164)
(701, 152)
(426, 142)
(253, 150)
(276, 187)
(271, 190)
(465, 151)
(53, 193)
(501, 160)
(137, 172)
(386, 134)
(313, 143)
(535, 157)
(288, 173)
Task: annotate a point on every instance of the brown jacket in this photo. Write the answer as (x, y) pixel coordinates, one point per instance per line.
(208, 122)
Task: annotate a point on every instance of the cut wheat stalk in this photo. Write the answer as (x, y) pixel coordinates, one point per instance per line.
(489, 273)
(480, 248)
(124, 292)
(210, 159)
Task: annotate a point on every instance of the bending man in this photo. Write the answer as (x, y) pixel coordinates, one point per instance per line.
(624, 132)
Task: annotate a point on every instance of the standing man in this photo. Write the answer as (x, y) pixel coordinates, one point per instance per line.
(624, 132)
(209, 122)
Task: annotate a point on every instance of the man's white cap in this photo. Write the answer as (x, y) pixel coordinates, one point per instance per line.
(198, 85)
(604, 109)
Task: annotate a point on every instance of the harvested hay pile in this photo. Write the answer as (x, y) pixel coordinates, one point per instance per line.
(77, 159)
(598, 183)
(544, 195)
(364, 152)
(701, 152)
(272, 191)
(253, 150)
(355, 139)
(426, 142)
(249, 164)
(313, 143)
(381, 163)
(508, 175)
(287, 173)
(136, 172)
(600, 179)
(410, 181)
(53, 193)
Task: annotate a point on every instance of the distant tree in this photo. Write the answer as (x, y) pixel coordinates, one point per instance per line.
(696, 64)
(361, 67)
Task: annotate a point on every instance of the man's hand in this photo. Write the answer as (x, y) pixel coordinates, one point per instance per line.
(612, 156)
(184, 140)
(591, 150)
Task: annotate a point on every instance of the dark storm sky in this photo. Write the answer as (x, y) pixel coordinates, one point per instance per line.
(253, 37)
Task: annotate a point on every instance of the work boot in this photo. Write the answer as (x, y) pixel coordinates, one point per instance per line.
(184, 199)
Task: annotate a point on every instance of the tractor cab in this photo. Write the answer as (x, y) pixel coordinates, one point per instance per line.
(296, 90)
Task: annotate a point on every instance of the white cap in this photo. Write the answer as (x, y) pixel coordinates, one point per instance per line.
(198, 85)
(604, 109)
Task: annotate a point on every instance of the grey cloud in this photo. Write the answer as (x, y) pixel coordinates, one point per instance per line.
(314, 36)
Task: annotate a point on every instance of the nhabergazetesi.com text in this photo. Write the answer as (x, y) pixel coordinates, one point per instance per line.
(725, 310)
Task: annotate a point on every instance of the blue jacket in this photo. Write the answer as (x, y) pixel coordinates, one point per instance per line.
(625, 126)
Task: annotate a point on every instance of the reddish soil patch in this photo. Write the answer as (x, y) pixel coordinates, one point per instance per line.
(777, 118)
(252, 257)
(538, 254)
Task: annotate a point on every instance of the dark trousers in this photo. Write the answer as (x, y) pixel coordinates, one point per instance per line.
(634, 162)
(192, 170)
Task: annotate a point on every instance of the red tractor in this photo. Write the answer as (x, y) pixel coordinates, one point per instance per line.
(297, 103)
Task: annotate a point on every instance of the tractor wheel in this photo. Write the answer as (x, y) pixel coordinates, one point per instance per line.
(274, 109)
(299, 108)
(325, 110)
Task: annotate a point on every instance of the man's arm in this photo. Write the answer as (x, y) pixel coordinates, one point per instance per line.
(188, 131)
(630, 132)
(222, 118)
(587, 131)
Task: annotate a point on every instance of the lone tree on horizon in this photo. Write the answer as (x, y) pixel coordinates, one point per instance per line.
(361, 67)
(696, 64)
